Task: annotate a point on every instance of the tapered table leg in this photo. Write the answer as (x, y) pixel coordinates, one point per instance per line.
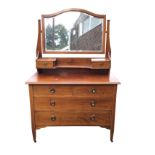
(34, 135)
(111, 135)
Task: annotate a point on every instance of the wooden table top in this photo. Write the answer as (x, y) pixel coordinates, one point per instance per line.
(72, 78)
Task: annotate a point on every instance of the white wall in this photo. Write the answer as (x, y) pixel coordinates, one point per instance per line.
(133, 48)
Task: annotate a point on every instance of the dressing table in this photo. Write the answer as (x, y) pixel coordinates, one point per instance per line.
(73, 85)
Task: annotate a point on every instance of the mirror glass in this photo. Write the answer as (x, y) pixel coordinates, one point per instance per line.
(73, 31)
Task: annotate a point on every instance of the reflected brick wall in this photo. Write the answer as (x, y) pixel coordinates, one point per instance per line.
(90, 40)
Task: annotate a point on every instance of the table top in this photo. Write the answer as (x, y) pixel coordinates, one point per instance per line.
(72, 78)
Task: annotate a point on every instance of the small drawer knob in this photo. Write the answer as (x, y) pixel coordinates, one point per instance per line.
(53, 118)
(92, 118)
(52, 91)
(52, 103)
(45, 63)
(93, 103)
(93, 90)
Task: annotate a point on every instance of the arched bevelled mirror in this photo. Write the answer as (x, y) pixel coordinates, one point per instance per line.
(73, 31)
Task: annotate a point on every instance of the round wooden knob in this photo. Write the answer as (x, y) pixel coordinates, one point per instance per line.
(52, 91)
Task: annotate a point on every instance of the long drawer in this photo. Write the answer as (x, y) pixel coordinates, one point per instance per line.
(74, 90)
(67, 104)
(77, 118)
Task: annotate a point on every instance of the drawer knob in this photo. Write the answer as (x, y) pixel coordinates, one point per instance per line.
(92, 103)
(53, 118)
(45, 63)
(52, 91)
(92, 118)
(52, 103)
(93, 90)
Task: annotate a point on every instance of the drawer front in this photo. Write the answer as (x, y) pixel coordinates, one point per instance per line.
(62, 118)
(94, 90)
(66, 104)
(44, 64)
(52, 90)
(74, 90)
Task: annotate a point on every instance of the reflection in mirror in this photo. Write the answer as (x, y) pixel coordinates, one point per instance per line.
(73, 31)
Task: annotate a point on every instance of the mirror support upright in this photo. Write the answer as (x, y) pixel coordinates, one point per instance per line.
(108, 47)
(39, 45)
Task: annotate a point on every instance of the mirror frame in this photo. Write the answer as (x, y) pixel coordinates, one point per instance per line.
(70, 51)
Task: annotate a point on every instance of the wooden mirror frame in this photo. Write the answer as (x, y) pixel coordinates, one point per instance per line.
(71, 52)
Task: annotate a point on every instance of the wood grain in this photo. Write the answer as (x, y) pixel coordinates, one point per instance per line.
(72, 104)
(72, 77)
(72, 118)
(45, 63)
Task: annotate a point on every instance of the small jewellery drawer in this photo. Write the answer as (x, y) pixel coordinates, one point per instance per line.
(66, 118)
(78, 104)
(45, 63)
(74, 90)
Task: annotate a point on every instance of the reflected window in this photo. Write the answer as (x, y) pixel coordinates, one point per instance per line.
(74, 32)
(80, 29)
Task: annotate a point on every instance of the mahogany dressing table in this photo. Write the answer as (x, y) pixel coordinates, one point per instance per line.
(73, 85)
